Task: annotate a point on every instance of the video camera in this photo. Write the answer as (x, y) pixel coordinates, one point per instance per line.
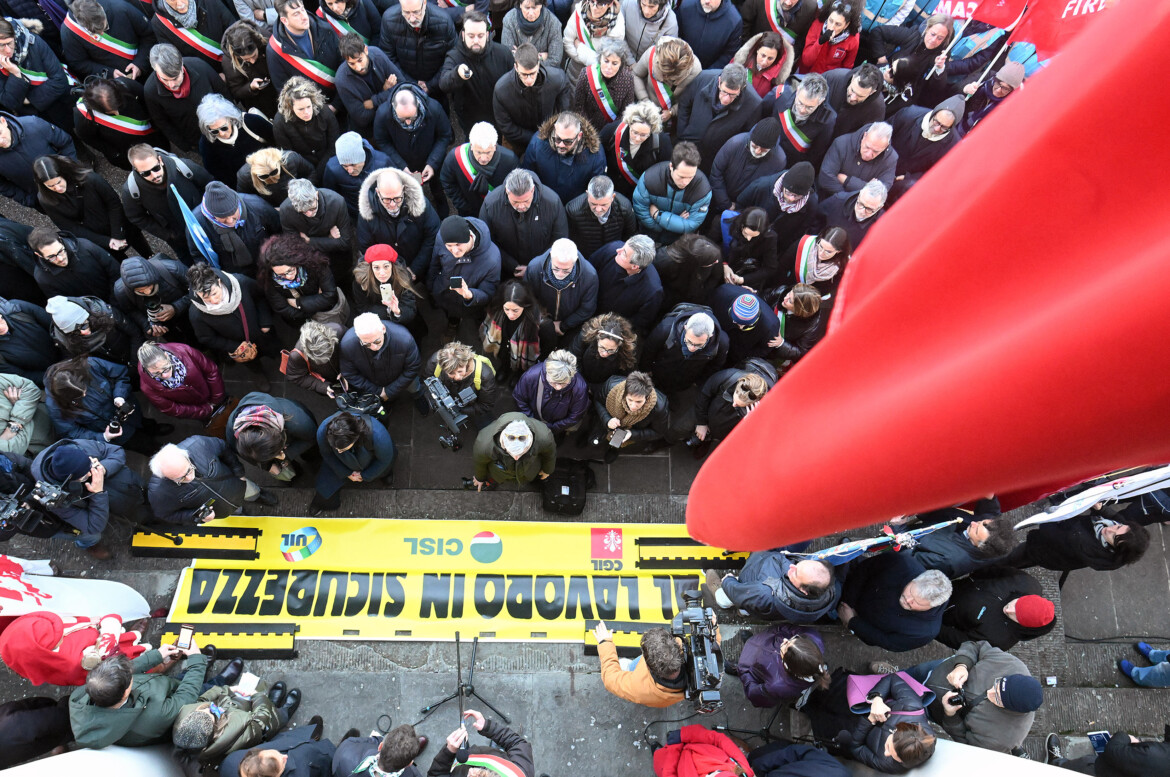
(449, 407)
(26, 511)
(120, 415)
(695, 625)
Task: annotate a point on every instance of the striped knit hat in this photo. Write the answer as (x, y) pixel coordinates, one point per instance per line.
(745, 310)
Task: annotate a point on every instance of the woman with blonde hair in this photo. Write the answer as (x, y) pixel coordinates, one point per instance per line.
(267, 173)
(663, 74)
(633, 144)
(304, 123)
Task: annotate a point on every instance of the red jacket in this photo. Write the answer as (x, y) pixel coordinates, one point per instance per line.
(699, 753)
(820, 57)
(200, 392)
(39, 647)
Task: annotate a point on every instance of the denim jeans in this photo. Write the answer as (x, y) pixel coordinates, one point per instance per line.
(1156, 676)
(922, 671)
(80, 540)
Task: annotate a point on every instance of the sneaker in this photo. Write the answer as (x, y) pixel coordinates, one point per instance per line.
(883, 667)
(1052, 751)
(1020, 752)
(1126, 668)
(1144, 648)
(722, 599)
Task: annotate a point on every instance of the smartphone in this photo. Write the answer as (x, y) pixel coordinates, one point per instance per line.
(186, 632)
(247, 684)
(387, 293)
(456, 282)
(619, 436)
(1098, 739)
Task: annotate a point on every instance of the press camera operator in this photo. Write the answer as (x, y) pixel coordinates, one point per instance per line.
(470, 381)
(657, 678)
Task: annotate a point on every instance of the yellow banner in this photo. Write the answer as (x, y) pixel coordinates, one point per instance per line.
(401, 579)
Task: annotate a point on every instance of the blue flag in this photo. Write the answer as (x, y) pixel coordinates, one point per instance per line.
(196, 230)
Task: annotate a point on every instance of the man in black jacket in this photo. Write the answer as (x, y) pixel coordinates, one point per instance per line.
(683, 349)
(1091, 540)
(789, 199)
(148, 200)
(194, 27)
(236, 224)
(600, 216)
(982, 539)
(1125, 756)
(393, 210)
(627, 281)
(173, 91)
(565, 285)
(153, 294)
(523, 98)
(381, 358)
(472, 68)
(892, 602)
(299, 45)
(854, 160)
(857, 97)
(525, 218)
(715, 108)
(743, 159)
(417, 39)
(473, 169)
(1000, 606)
(198, 480)
(86, 56)
(295, 752)
(71, 266)
(364, 81)
(855, 212)
(413, 130)
(806, 120)
(26, 347)
(321, 218)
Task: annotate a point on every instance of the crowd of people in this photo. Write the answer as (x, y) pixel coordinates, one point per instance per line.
(645, 226)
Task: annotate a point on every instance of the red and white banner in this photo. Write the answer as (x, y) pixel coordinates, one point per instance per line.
(1050, 24)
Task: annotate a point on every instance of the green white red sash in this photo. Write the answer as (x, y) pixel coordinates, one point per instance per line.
(662, 92)
(105, 41)
(783, 321)
(115, 121)
(467, 164)
(193, 38)
(805, 257)
(619, 155)
(798, 139)
(583, 30)
(600, 92)
(319, 72)
(775, 21)
(495, 764)
(33, 77)
(341, 26)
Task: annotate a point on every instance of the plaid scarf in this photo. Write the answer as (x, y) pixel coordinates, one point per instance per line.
(599, 27)
(258, 415)
(785, 207)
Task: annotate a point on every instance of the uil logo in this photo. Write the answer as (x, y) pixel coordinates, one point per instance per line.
(486, 547)
(300, 544)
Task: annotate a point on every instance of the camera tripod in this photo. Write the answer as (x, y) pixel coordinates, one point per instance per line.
(463, 689)
(764, 733)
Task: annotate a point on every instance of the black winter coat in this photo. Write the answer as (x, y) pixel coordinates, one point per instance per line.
(468, 195)
(18, 263)
(224, 334)
(51, 98)
(314, 140)
(28, 348)
(873, 588)
(174, 118)
(656, 149)
(480, 269)
(155, 209)
(222, 160)
(473, 98)
(916, 154)
(1123, 758)
(975, 611)
(91, 270)
(789, 227)
(520, 110)
(735, 169)
(571, 306)
(318, 294)
(116, 343)
(91, 210)
(325, 51)
(595, 368)
(590, 234)
(1064, 546)
(838, 211)
(818, 128)
(713, 403)
(523, 236)
(699, 123)
(391, 369)
(331, 212)
(219, 477)
(171, 277)
(851, 118)
(650, 429)
(425, 143)
(420, 54)
(353, 90)
(663, 356)
(212, 18)
(636, 297)
(32, 137)
(126, 23)
(683, 283)
(412, 232)
(238, 247)
(297, 166)
(32, 727)
(114, 143)
(948, 550)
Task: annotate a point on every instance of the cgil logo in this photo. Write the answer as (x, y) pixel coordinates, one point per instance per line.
(300, 544)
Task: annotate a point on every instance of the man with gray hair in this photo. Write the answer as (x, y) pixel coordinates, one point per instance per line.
(715, 108)
(321, 218)
(173, 90)
(627, 281)
(381, 358)
(565, 285)
(806, 119)
(475, 168)
(414, 131)
(600, 216)
(684, 349)
(855, 212)
(554, 392)
(565, 153)
(198, 480)
(525, 218)
(857, 158)
(893, 602)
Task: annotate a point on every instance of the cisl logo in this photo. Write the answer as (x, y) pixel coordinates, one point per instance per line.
(486, 547)
(300, 544)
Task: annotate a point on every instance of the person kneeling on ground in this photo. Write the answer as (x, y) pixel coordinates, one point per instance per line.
(653, 679)
(517, 752)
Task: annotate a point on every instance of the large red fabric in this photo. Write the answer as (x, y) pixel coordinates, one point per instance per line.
(36, 647)
(1050, 24)
(700, 753)
(998, 13)
(1003, 329)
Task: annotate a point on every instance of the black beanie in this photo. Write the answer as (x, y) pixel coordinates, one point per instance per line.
(766, 133)
(799, 178)
(455, 229)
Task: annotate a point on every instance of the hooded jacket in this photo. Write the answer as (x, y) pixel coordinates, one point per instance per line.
(494, 463)
(28, 348)
(479, 268)
(762, 587)
(734, 169)
(200, 393)
(219, 478)
(325, 51)
(673, 369)
(699, 122)
(747, 51)
(766, 683)
(573, 305)
(590, 234)
(517, 753)
(566, 175)
(559, 410)
(642, 33)
(419, 54)
(422, 144)
(147, 715)
(224, 333)
(212, 18)
(91, 270)
(238, 247)
(353, 90)
(412, 232)
(244, 724)
(155, 209)
(636, 297)
(523, 236)
(125, 23)
(657, 188)
(975, 611)
(817, 128)
(390, 369)
(350, 186)
(844, 157)
(715, 36)
(136, 273)
(467, 194)
(520, 110)
(32, 137)
(916, 154)
(874, 588)
(472, 98)
(34, 55)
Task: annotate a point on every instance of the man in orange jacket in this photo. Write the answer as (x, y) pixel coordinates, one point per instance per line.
(655, 678)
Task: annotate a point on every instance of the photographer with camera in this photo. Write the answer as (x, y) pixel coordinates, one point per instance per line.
(198, 480)
(459, 368)
(381, 358)
(355, 448)
(89, 399)
(153, 294)
(81, 483)
(654, 679)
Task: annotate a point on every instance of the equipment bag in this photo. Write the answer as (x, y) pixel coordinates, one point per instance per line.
(564, 491)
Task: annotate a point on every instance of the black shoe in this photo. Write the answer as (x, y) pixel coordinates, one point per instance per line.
(210, 652)
(277, 693)
(291, 702)
(320, 504)
(1052, 751)
(318, 726)
(351, 734)
(231, 675)
(266, 497)
(422, 744)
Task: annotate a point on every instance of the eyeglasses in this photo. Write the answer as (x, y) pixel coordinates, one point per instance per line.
(271, 175)
(866, 209)
(391, 200)
(566, 142)
(165, 372)
(726, 93)
(604, 351)
(373, 345)
(692, 345)
(996, 84)
(291, 272)
(188, 473)
(156, 169)
(226, 129)
(936, 126)
(59, 253)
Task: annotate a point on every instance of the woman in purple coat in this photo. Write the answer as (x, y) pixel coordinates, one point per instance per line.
(781, 664)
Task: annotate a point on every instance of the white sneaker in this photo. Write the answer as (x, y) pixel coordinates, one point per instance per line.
(624, 663)
(722, 599)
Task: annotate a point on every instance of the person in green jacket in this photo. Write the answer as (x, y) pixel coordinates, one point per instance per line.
(513, 449)
(223, 721)
(122, 705)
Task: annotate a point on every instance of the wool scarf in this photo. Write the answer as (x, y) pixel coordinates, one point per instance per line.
(615, 405)
(228, 304)
(786, 207)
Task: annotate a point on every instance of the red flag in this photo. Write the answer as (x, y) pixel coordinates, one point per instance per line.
(998, 13)
(1050, 24)
(1003, 329)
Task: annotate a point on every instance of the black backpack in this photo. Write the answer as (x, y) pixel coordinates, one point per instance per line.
(564, 491)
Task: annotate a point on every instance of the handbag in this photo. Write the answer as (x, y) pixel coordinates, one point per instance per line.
(858, 687)
(338, 314)
(216, 423)
(565, 490)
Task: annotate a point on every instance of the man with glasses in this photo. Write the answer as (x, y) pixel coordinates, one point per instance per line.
(71, 266)
(772, 584)
(789, 199)
(394, 211)
(474, 169)
(684, 349)
(854, 160)
(147, 197)
(527, 95)
(565, 153)
(418, 40)
(380, 358)
(806, 119)
(236, 225)
(715, 108)
(986, 96)
(855, 212)
(892, 602)
(599, 216)
(565, 285)
(525, 218)
(923, 136)
(627, 281)
(198, 480)
(413, 130)
(673, 198)
(857, 97)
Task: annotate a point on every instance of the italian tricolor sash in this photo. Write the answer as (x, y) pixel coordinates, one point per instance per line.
(341, 26)
(583, 30)
(775, 21)
(662, 92)
(32, 76)
(193, 38)
(115, 121)
(495, 764)
(315, 70)
(467, 164)
(619, 155)
(600, 92)
(104, 41)
(798, 139)
(804, 256)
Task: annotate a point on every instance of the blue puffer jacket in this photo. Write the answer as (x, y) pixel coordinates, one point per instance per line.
(106, 381)
(560, 410)
(656, 187)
